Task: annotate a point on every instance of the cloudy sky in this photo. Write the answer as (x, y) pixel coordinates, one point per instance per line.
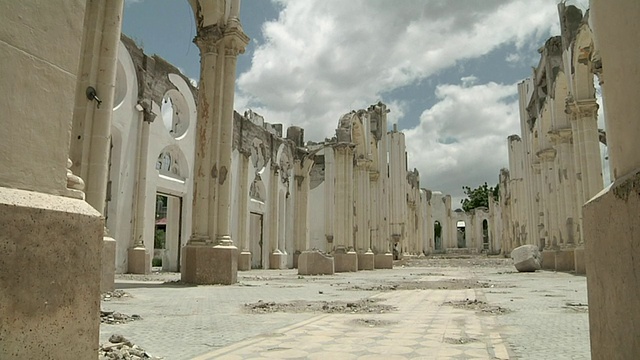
(447, 69)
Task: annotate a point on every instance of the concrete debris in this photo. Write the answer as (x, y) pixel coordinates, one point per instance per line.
(119, 348)
(354, 307)
(526, 258)
(116, 318)
(479, 306)
(116, 294)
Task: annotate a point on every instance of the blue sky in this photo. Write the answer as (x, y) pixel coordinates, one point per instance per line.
(447, 69)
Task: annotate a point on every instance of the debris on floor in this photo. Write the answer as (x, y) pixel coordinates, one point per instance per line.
(116, 318)
(352, 307)
(119, 348)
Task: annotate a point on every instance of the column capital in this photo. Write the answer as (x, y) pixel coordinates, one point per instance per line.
(547, 154)
(561, 136)
(208, 38)
(235, 40)
(581, 108)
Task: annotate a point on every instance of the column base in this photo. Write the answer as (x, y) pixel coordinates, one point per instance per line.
(277, 260)
(548, 260)
(315, 263)
(383, 261)
(579, 260)
(565, 260)
(346, 262)
(244, 261)
(612, 247)
(50, 271)
(366, 261)
(139, 261)
(209, 265)
(296, 257)
(108, 263)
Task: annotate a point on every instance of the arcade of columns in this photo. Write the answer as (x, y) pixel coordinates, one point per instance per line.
(50, 229)
(555, 165)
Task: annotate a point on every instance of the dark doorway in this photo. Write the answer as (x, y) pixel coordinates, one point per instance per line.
(437, 235)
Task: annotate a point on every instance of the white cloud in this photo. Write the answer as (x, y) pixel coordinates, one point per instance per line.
(321, 59)
(461, 140)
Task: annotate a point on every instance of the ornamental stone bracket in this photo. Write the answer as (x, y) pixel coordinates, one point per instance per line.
(547, 154)
(581, 108)
(560, 136)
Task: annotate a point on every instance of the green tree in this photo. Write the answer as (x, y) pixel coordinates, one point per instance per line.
(479, 196)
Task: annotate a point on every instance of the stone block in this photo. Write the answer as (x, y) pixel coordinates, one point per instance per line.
(383, 261)
(526, 258)
(277, 260)
(611, 223)
(565, 260)
(366, 260)
(50, 270)
(244, 261)
(206, 264)
(108, 264)
(315, 263)
(139, 261)
(548, 260)
(346, 262)
(578, 259)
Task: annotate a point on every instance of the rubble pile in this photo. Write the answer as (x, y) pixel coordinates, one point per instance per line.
(119, 348)
(478, 305)
(116, 294)
(352, 307)
(116, 318)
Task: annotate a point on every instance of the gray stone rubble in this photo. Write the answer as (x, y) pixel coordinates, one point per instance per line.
(119, 348)
(116, 318)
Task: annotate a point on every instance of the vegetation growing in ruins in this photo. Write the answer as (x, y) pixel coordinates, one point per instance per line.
(479, 197)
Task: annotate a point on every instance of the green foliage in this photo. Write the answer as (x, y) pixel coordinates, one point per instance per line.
(156, 262)
(479, 196)
(160, 239)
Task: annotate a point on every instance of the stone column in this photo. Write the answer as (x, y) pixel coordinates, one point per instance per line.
(244, 258)
(139, 259)
(362, 208)
(197, 255)
(91, 139)
(273, 198)
(345, 258)
(51, 240)
(301, 207)
(611, 218)
(564, 164)
(584, 119)
(210, 256)
(361, 201)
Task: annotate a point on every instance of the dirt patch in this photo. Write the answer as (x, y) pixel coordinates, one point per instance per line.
(373, 322)
(460, 341)
(479, 306)
(448, 284)
(331, 307)
(457, 261)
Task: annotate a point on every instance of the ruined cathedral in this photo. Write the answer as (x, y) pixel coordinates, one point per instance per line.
(367, 207)
(105, 148)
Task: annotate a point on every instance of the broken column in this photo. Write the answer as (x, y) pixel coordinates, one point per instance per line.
(611, 218)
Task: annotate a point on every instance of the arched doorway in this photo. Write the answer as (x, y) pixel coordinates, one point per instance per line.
(485, 234)
(437, 235)
(462, 234)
